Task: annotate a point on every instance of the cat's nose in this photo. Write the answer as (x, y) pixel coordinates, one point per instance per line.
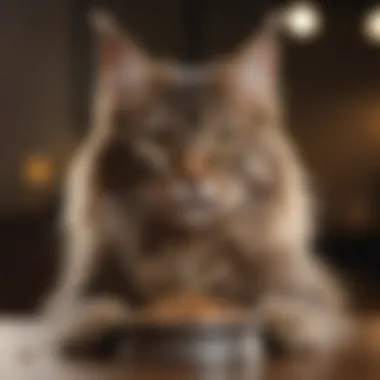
(183, 191)
(194, 165)
(195, 184)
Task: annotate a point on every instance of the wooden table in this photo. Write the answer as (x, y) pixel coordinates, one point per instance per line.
(27, 354)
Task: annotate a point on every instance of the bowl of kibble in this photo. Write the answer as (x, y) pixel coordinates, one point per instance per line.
(180, 329)
(190, 329)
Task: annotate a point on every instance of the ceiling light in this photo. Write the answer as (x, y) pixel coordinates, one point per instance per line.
(302, 20)
(371, 25)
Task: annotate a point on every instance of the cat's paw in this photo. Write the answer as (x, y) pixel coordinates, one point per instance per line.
(292, 326)
(96, 331)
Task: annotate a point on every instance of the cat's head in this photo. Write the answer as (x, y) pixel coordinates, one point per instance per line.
(189, 143)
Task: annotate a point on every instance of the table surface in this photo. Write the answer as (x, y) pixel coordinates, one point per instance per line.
(25, 354)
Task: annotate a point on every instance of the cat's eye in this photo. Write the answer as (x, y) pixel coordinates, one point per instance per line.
(153, 154)
(259, 167)
(158, 128)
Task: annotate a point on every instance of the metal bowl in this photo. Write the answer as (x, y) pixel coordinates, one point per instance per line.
(178, 331)
(192, 343)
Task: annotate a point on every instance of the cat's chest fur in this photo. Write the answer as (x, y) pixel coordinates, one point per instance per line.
(192, 265)
(156, 262)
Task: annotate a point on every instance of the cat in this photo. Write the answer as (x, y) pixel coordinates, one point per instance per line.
(189, 181)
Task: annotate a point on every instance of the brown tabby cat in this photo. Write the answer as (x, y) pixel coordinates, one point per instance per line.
(188, 180)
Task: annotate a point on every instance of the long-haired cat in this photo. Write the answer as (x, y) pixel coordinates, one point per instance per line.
(189, 183)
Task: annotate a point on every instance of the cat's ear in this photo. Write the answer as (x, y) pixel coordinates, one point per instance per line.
(120, 61)
(256, 63)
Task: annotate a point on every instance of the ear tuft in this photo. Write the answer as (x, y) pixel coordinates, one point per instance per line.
(256, 62)
(122, 66)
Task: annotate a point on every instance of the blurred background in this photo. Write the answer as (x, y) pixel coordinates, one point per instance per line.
(332, 87)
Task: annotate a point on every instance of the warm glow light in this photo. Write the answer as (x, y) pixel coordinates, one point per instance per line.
(38, 170)
(302, 20)
(371, 25)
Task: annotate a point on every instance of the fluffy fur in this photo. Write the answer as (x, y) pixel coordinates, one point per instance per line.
(189, 183)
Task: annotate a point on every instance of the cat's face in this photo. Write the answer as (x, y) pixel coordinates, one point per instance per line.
(189, 142)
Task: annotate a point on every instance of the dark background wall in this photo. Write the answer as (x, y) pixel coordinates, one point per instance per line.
(332, 91)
